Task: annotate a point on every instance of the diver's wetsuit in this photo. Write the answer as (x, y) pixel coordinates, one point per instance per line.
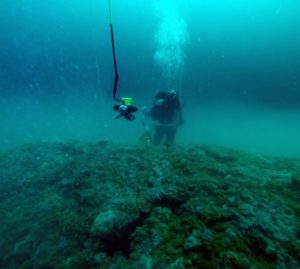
(168, 115)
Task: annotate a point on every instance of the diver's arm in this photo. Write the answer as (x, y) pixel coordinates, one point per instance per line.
(146, 112)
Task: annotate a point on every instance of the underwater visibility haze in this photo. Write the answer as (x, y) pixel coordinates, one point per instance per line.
(235, 64)
(82, 189)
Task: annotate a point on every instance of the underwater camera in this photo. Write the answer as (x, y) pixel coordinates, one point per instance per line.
(126, 109)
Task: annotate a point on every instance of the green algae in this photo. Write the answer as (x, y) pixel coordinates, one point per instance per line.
(185, 207)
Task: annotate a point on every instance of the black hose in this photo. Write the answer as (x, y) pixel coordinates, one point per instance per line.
(115, 64)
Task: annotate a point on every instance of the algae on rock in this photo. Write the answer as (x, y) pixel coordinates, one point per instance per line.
(79, 205)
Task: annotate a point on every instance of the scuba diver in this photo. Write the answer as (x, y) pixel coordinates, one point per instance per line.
(166, 116)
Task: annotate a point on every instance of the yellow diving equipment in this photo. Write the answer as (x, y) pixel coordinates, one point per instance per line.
(127, 101)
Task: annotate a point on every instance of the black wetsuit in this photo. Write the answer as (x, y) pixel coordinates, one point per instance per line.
(168, 115)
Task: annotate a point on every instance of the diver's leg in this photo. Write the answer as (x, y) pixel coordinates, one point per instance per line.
(170, 135)
(158, 135)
